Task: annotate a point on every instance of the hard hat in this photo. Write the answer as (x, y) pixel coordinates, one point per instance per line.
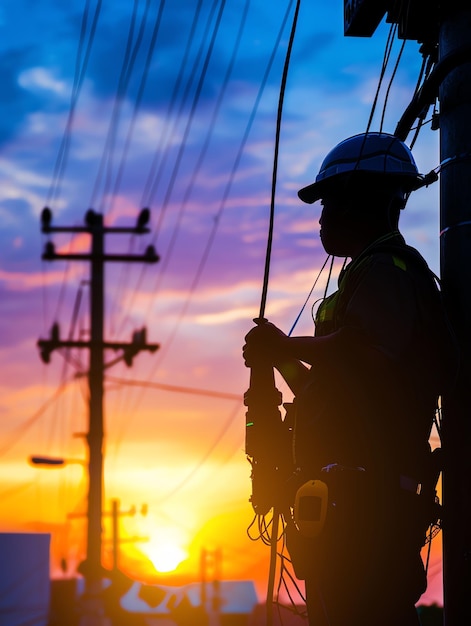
(374, 153)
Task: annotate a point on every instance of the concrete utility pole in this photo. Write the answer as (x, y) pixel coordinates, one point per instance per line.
(447, 24)
(96, 345)
(455, 201)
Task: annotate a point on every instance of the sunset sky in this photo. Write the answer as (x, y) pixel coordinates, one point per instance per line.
(170, 105)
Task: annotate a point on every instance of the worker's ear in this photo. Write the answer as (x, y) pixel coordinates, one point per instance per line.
(399, 200)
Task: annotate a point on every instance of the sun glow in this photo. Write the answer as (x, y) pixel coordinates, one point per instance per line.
(166, 551)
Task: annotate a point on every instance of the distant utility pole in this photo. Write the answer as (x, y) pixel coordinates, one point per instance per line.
(211, 567)
(96, 345)
(116, 514)
(447, 26)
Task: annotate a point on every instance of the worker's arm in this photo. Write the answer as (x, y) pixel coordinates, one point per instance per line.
(289, 355)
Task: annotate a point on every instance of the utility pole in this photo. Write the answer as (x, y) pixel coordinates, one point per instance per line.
(447, 25)
(455, 201)
(211, 566)
(115, 533)
(96, 345)
(116, 514)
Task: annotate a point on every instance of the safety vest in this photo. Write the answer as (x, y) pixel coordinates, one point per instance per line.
(330, 312)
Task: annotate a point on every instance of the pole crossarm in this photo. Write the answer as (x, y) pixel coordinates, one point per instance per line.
(91, 220)
(150, 256)
(111, 345)
(95, 227)
(130, 349)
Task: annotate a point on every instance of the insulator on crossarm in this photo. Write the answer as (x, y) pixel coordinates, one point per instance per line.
(49, 253)
(46, 219)
(143, 219)
(151, 255)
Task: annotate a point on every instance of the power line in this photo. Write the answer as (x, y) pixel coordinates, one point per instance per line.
(127, 66)
(138, 101)
(387, 54)
(22, 429)
(175, 388)
(80, 71)
(182, 148)
(216, 220)
(393, 75)
(162, 147)
(204, 148)
(84, 49)
(222, 431)
(221, 208)
(168, 129)
(202, 263)
(13, 491)
(189, 121)
(154, 177)
(152, 185)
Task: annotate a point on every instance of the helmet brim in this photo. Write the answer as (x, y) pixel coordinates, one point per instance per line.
(311, 193)
(316, 191)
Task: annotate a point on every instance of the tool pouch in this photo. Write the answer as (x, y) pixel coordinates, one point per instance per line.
(328, 512)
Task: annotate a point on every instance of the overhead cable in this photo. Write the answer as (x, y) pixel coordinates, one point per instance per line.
(391, 80)
(216, 220)
(186, 479)
(161, 150)
(80, 71)
(127, 66)
(21, 430)
(429, 90)
(137, 104)
(167, 131)
(174, 388)
(215, 224)
(82, 58)
(204, 147)
(386, 55)
(189, 122)
(153, 178)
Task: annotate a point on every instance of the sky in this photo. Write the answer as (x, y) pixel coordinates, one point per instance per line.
(117, 106)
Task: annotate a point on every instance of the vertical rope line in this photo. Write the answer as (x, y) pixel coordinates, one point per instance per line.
(275, 163)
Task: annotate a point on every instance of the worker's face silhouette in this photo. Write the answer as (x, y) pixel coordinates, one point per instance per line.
(355, 211)
(339, 224)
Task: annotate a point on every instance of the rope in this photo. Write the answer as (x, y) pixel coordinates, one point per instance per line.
(275, 521)
(310, 293)
(275, 163)
(272, 571)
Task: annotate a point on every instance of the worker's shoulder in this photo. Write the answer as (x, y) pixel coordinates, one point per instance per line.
(395, 265)
(402, 257)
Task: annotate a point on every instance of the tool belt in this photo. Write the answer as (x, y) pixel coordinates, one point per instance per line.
(347, 514)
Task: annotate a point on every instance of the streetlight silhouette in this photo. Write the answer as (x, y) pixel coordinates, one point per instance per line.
(49, 462)
(53, 462)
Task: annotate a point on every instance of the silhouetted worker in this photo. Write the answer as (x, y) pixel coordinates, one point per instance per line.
(366, 389)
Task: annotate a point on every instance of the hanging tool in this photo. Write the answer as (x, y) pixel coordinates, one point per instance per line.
(265, 435)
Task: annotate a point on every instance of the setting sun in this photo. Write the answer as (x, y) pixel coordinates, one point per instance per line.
(165, 551)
